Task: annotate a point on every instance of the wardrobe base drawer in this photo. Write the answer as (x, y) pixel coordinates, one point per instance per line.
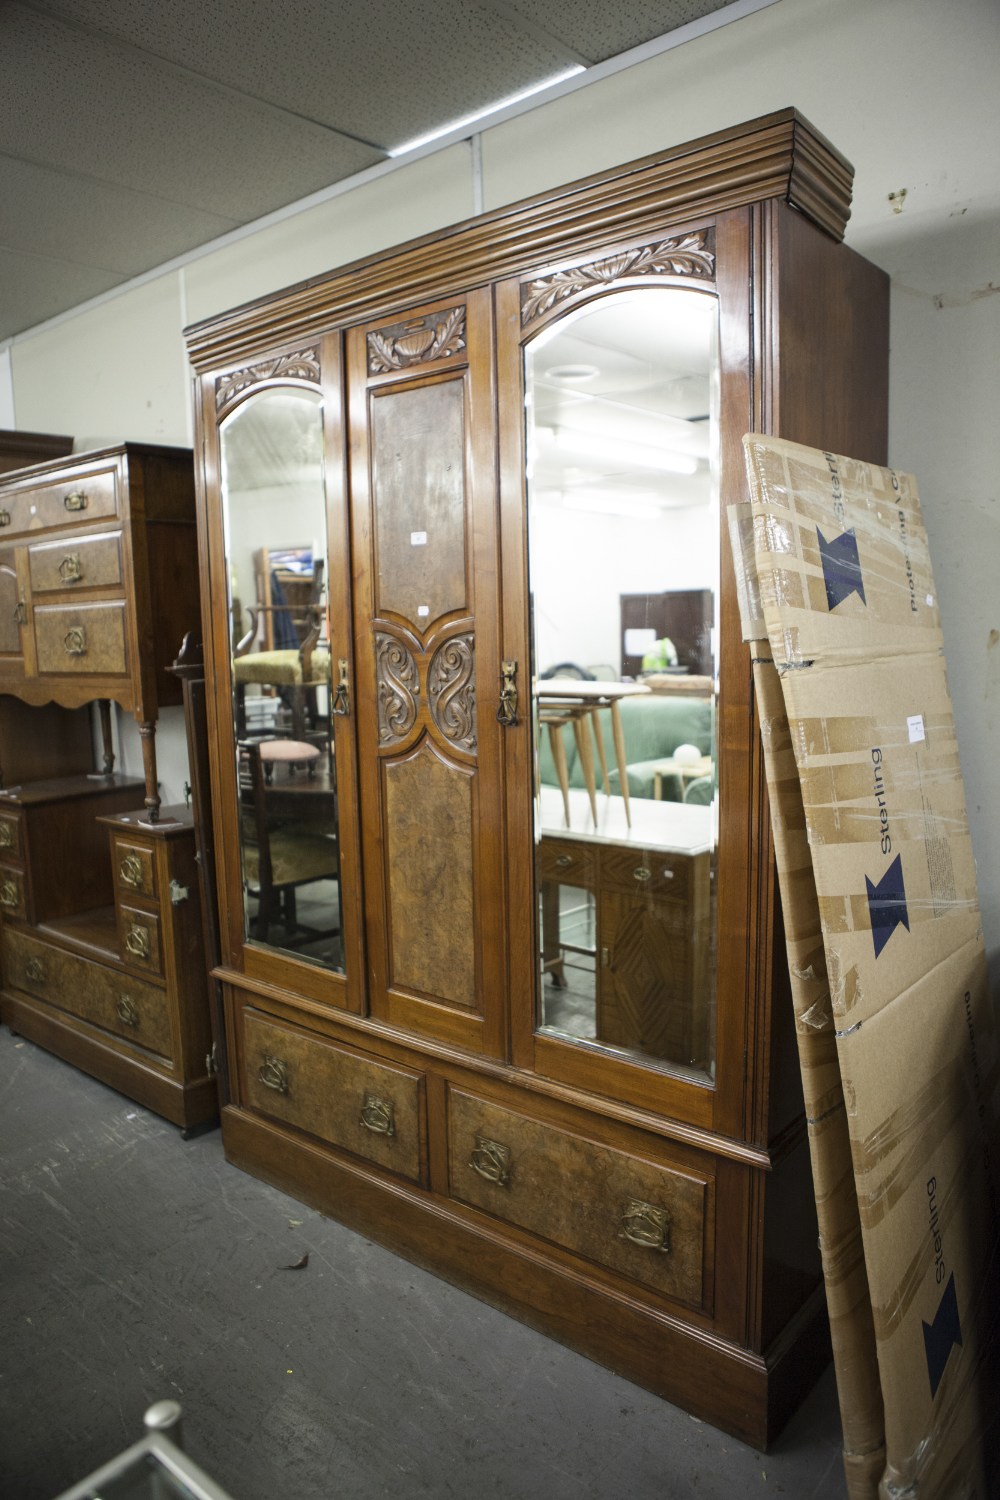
(345, 1098)
(636, 1217)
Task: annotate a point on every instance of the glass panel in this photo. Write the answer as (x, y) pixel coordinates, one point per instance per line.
(275, 524)
(621, 403)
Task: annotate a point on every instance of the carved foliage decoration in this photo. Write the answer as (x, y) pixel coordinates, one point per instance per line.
(398, 689)
(685, 255)
(416, 341)
(451, 688)
(303, 365)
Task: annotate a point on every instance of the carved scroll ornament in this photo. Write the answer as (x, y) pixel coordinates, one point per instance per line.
(451, 688)
(398, 686)
(416, 341)
(303, 365)
(686, 255)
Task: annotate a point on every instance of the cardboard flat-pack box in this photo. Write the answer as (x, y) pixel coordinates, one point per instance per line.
(885, 940)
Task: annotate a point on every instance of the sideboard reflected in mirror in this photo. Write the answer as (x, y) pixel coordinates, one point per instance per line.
(275, 533)
(621, 404)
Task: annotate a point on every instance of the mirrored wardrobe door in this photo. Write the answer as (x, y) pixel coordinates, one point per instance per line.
(285, 676)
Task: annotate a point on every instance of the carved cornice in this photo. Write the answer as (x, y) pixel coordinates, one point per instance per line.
(686, 255)
(302, 365)
(416, 341)
(779, 157)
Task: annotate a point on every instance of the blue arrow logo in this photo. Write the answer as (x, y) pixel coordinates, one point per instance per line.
(887, 905)
(841, 568)
(942, 1335)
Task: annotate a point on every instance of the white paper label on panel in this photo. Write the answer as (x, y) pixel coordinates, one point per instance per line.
(418, 539)
(915, 728)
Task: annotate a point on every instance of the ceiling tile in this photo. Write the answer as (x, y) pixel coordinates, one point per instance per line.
(599, 30)
(33, 288)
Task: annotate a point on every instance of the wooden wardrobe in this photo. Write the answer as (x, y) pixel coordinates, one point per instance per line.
(618, 1157)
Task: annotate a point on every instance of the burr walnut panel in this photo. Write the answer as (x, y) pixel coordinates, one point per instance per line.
(642, 1219)
(86, 640)
(342, 1096)
(75, 500)
(76, 562)
(418, 445)
(429, 842)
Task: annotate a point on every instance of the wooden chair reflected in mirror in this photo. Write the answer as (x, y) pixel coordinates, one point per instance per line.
(288, 843)
(291, 664)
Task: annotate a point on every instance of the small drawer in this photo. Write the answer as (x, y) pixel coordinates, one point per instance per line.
(10, 835)
(566, 861)
(344, 1097)
(139, 939)
(134, 867)
(125, 1006)
(11, 892)
(636, 1217)
(85, 498)
(86, 640)
(76, 562)
(650, 872)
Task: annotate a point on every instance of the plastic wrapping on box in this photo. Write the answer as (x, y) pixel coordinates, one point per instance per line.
(834, 572)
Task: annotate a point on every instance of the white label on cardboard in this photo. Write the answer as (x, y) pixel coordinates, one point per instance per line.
(418, 539)
(915, 728)
(930, 601)
(422, 610)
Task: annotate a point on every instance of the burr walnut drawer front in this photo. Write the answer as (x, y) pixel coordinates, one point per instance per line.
(76, 562)
(637, 1217)
(134, 867)
(10, 835)
(92, 497)
(139, 939)
(650, 872)
(116, 1002)
(86, 640)
(345, 1098)
(565, 861)
(11, 892)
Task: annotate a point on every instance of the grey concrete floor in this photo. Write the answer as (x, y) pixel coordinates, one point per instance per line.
(136, 1266)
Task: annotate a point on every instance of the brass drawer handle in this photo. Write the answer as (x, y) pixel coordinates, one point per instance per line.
(564, 860)
(20, 613)
(70, 570)
(76, 500)
(75, 641)
(4, 517)
(6, 836)
(642, 873)
(8, 893)
(378, 1115)
(34, 970)
(137, 941)
(491, 1159)
(127, 1010)
(273, 1074)
(507, 707)
(130, 870)
(342, 697)
(646, 1225)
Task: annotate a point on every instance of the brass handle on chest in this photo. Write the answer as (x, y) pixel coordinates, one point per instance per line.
(341, 698)
(34, 970)
(137, 941)
(75, 641)
(6, 836)
(273, 1074)
(507, 707)
(20, 612)
(491, 1159)
(642, 873)
(4, 517)
(130, 870)
(127, 1010)
(646, 1225)
(378, 1115)
(70, 570)
(8, 893)
(75, 500)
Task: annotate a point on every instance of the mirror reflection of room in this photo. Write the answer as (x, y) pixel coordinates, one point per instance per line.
(621, 400)
(275, 517)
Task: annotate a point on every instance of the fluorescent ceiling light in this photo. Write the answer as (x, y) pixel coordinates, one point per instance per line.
(481, 114)
(624, 452)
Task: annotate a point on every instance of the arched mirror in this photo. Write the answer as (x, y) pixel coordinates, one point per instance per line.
(621, 402)
(275, 529)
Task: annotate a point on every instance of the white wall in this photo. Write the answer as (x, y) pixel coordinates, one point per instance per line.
(905, 88)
